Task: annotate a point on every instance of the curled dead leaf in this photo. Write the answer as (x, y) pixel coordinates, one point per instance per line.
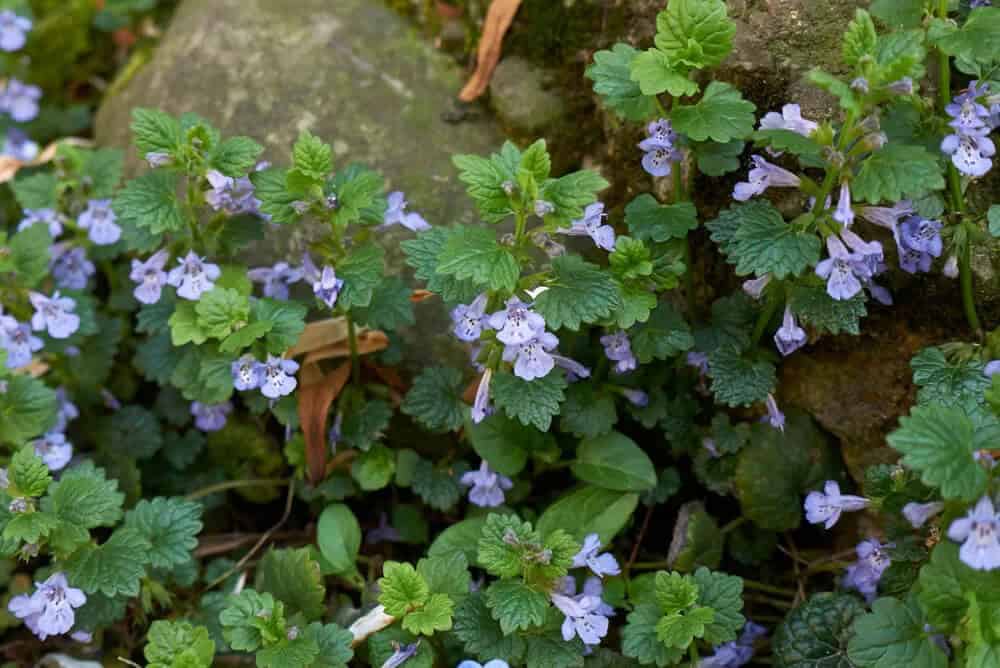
(499, 16)
(10, 166)
(314, 407)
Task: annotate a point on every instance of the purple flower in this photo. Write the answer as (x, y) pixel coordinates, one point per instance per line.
(979, 533)
(922, 235)
(383, 533)
(20, 100)
(110, 400)
(888, 217)
(970, 153)
(754, 287)
(917, 514)
(66, 410)
(47, 217)
(763, 176)
(636, 397)
(158, 159)
(968, 115)
(469, 319)
(54, 450)
(864, 574)
(789, 337)
(517, 323)
(591, 225)
(150, 277)
(904, 86)
(659, 148)
(581, 618)
(844, 213)
(975, 4)
(234, 196)
(495, 663)
(193, 277)
(276, 279)
(335, 433)
(54, 314)
(99, 220)
(599, 564)
(48, 611)
(737, 652)
(698, 361)
(791, 119)
(19, 342)
(861, 85)
(401, 653)
(396, 214)
(826, 507)
(210, 417)
(19, 146)
(992, 367)
(618, 349)
(774, 415)
(869, 254)
(13, 31)
(246, 373)
(543, 208)
(487, 486)
(841, 270)
(532, 358)
(481, 405)
(70, 267)
(277, 377)
(574, 370)
(325, 284)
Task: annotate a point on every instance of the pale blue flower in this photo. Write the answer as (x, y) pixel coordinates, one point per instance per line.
(618, 349)
(481, 406)
(841, 269)
(19, 146)
(737, 652)
(764, 175)
(917, 514)
(246, 373)
(581, 618)
(486, 486)
(158, 159)
(864, 574)
(277, 377)
(54, 450)
(13, 31)
(790, 119)
(396, 214)
(592, 225)
(99, 221)
(325, 284)
(659, 148)
(774, 415)
(150, 277)
(755, 287)
(20, 100)
(922, 235)
(979, 533)
(400, 654)
(276, 279)
(888, 217)
(54, 314)
(193, 277)
(49, 610)
(532, 358)
(19, 342)
(590, 556)
(495, 663)
(70, 267)
(66, 410)
(636, 397)
(826, 507)
(789, 337)
(469, 319)
(844, 214)
(517, 323)
(48, 217)
(970, 152)
(210, 417)
(233, 196)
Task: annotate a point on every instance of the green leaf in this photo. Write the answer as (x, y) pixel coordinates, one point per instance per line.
(27, 474)
(614, 461)
(422, 254)
(738, 380)
(448, 574)
(435, 399)
(434, 615)
(588, 411)
(178, 644)
(36, 191)
(756, 239)
(815, 307)
(244, 337)
(27, 409)
(945, 582)
(675, 592)
(287, 318)
(382, 646)
(390, 308)
(482, 635)
(612, 76)
(133, 431)
(220, 311)
(403, 589)
(892, 636)
(571, 194)
(679, 630)
(899, 13)
(84, 497)
(640, 641)
(939, 442)
(580, 293)
(654, 72)
(374, 468)
(150, 203)
(587, 510)
(697, 540)
(533, 402)
(537, 161)
(365, 426)
(359, 193)
(29, 255)
(787, 140)
(235, 156)
(721, 115)
(154, 131)
(484, 179)
(859, 39)
(817, 633)
(311, 157)
(334, 645)
(473, 253)
(993, 216)
(275, 200)
(361, 272)
(504, 443)
(339, 538)
(29, 527)
(724, 595)
(664, 335)
(437, 486)
(250, 619)
(460, 538)
(895, 172)
(697, 33)
(977, 39)
(901, 54)
(959, 383)
(293, 577)
(499, 556)
(515, 605)
(717, 159)
(115, 567)
(649, 220)
(171, 525)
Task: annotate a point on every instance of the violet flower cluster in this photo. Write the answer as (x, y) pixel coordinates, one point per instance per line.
(660, 148)
(969, 146)
(275, 378)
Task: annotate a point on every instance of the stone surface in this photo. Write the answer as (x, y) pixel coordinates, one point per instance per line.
(351, 71)
(524, 96)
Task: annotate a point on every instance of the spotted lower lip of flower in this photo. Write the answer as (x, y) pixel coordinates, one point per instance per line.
(979, 533)
(20, 100)
(840, 269)
(193, 277)
(469, 319)
(54, 450)
(246, 373)
(517, 323)
(532, 358)
(970, 153)
(277, 377)
(150, 277)
(618, 349)
(486, 486)
(54, 314)
(49, 611)
(99, 221)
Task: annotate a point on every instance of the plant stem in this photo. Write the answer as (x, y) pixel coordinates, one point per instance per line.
(352, 340)
(968, 298)
(763, 319)
(693, 653)
(650, 565)
(732, 525)
(235, 484)
(770, 589)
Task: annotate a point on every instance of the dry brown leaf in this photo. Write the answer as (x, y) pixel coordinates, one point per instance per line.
(369, 341)
(498, 19)
(420, 296)
(469, 396)
(10, 166)
(319, 334)
(314, 407)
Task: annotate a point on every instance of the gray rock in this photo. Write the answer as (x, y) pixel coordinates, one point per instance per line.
(523, 96)
(351, 71)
